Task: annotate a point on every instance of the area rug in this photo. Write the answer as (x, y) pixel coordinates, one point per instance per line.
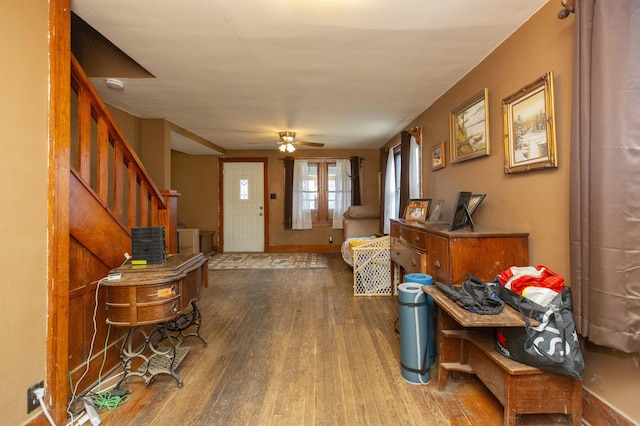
(267, 261)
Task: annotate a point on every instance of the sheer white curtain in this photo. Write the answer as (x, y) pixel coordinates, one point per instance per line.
(414, 169)
(342, 192)
(390, 200)
(301, 202)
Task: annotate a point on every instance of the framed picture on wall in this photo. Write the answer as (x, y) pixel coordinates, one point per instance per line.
(529, 127)
(417, 209)
(469, 128)
(437, 156)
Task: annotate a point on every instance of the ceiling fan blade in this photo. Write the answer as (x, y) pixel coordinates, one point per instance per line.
(319, 145)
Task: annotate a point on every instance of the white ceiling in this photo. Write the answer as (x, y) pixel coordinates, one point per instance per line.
(348, 73)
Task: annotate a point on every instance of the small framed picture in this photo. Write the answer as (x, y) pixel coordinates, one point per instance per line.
(436, 212)
(474, 202)
(529, 127)
(417, 209)
(469, 128)
(437, 156)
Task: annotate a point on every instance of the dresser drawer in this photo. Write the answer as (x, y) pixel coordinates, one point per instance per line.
(144, 304)
(411, 260)
(413, 238)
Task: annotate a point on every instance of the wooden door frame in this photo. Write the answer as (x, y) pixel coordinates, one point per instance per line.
(265, 202)
(57, 360)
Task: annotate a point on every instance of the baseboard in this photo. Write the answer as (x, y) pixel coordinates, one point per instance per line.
(597, 412)
(312, 248)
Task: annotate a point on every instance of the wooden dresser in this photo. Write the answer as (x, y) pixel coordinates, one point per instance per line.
(430, 248)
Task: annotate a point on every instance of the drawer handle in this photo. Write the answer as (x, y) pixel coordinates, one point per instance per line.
(397, 253)
(413, 263)
(436, 264)
(417, 239)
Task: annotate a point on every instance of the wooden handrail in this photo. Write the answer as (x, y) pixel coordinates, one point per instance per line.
(120, 181)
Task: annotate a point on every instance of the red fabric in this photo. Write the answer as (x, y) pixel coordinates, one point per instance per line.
(544, 277)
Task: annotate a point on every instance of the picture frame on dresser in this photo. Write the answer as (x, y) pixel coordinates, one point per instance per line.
(417, 209)
(472, 205)
(436, 211)
(529, 127)
(469, 128)
(474, 202)
(461, 216)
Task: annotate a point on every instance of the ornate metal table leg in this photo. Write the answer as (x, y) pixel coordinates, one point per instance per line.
(186, 321)
(156, 358)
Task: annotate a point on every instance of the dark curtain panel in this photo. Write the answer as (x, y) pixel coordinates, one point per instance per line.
(355, 180)
(405, 158)
(405, 154)
(605, 173)
(288, 192)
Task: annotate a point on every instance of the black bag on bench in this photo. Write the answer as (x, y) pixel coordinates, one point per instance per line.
(552, 345)
(474, 295)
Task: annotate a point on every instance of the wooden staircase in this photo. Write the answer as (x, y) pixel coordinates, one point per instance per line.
(110, 192)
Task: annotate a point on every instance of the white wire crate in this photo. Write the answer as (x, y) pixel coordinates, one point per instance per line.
(372, 268)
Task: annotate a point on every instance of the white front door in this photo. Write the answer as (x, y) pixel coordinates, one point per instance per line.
(243, 206)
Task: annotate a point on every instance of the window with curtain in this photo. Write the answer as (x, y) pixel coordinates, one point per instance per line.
(321, 192)
(391, 191)
(402, 177)
(303, 201)
(341, 191)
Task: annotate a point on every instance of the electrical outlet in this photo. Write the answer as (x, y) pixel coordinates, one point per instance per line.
(32, 400)
(330, 240)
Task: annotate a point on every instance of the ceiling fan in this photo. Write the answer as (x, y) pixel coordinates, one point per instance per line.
(288, 142)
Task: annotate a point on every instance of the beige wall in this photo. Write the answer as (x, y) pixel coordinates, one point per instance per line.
(195, 177)
(535, 202)
(23, 179)
(130, 126)
(155, 151)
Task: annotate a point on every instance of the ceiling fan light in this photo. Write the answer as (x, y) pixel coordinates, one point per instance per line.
(290, 147)
(283, 147)
(287, 137)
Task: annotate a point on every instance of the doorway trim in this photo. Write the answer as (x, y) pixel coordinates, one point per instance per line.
(264, 162)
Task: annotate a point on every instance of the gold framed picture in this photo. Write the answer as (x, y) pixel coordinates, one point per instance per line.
(529, 127)
(437, 156)
(469, 128)
(417, 209)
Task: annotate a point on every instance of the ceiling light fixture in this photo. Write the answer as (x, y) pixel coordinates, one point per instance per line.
(287, 147)
(114, 83)
(287, 137)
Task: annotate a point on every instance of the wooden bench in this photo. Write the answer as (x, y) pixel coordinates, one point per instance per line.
(467, 344)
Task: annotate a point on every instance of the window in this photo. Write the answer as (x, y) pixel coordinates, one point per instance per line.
(402, 177)
(322, 188)
(397, 164)
(320, 192)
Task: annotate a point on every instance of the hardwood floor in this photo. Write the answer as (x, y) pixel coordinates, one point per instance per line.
(295, 347)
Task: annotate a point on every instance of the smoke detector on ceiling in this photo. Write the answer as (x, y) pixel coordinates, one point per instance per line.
(114, 83)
